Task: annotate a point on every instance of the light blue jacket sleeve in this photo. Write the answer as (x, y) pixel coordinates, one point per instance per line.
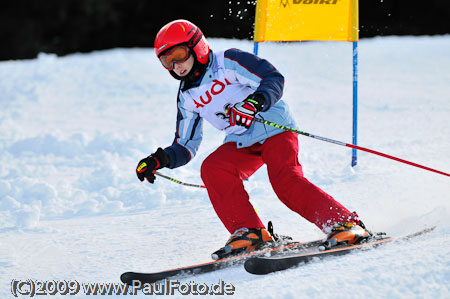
(188, 136)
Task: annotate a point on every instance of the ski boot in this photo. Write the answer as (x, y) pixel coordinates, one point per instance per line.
(243, 240)
(346, 233)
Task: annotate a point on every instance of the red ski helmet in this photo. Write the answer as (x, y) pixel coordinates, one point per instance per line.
(182, 32)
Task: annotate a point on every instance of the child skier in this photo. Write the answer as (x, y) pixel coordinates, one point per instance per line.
(229, 89)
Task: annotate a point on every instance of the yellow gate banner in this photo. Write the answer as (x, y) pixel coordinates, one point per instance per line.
(295, 20)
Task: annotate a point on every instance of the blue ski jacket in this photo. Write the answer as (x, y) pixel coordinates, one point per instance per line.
(230, 76)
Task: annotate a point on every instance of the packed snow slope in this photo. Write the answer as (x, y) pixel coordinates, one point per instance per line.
(73, 128)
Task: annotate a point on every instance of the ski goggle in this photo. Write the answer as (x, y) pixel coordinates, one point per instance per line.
(177, 54)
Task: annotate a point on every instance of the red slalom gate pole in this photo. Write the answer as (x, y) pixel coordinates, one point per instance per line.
(269, 123)
(396, 159)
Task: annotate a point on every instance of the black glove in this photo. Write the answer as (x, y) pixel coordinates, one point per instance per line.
(243, 113)
(147, 166)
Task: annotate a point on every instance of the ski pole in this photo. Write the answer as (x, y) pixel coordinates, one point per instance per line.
(179, 182)
(269, 123)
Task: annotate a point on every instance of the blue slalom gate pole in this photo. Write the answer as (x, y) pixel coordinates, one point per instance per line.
(355, 101)
(255, 48)
(355, 97)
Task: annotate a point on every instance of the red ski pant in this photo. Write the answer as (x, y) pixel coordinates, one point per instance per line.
(224, 170)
